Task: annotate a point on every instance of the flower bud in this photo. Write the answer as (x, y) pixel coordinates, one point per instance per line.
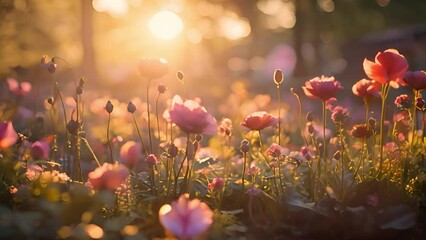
(173, 150)
(310, 128)
(245, 142)
(179, 75)
(79, 90)
(73, 126)
(81, 82)
(52, 67)
(161, 88)
(151, 159)
(244, 148)
(309, 117)
(337, 155)
(109, 107)
(278, 77)
(420, 103)
(371, 123)
(131, 108)
(50, 100)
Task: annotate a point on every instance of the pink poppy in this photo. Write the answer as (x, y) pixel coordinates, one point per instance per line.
(416, 80)
(153, 68)
(186, 218)
(322, 87)
(388, 66)
(8, 135)
(130, 153)
(366, 89)
(40, 150)
(191, 117)
(19, 89)
(258, 121)
(108, 176)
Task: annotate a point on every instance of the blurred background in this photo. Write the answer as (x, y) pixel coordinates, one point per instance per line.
(218, 44)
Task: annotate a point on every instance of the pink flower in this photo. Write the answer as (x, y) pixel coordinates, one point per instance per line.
(259, 121)
(416, 80)
(40, 150)
(403, 101)
(339, 115)
(151, 159)
(186, 218)
(322, 87)
(108, 176)
(276, 150)
(216, 184)
(19, 89)
(366, 89)
(388, 66)
(8, 136)
(191, 117)
(153, 68)
(130, 153)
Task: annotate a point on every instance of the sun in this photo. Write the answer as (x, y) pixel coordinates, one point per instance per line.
(165, 25)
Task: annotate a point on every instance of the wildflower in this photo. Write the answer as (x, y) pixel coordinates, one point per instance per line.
(19, 89)
(130, 153)
(8, 136)
(259, 121)
(151, 159)
(340, 115)
(191, 117)
(108, 176)
(278, 77)
(416, 80)
(276, 150)
(216, 184)
(153, 68)
(33, 172)
(403, 101)
(360, 131)
(186, 218)
(366, 89)
(322, 87)
(388, 67)
(40, 150)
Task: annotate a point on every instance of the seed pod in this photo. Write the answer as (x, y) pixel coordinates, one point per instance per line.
(131, 108)
(109, 107)
(278, 77)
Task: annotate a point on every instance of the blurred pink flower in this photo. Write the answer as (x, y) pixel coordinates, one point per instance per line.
(191, 117)
(216, 184)
(322, 87)
(186, 218)
(259, 121)
(33, 172)
(108, 176)
(360, 131)
(416, 80)
(19, 89)
(276, 151)
(153, 68)
(366, 89)
(8, 135)
(130, 153)
(403, 101)
(388, 66)
(151, 159)
(40, 150)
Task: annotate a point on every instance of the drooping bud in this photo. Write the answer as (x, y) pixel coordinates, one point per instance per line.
(109, 107)
(52, 67)
(162, 88)
(173, 150)
(73, 126)
(131, 108)
(309, 117)
(278, 77)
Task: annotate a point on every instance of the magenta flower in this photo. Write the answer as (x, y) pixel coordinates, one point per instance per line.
(388, 66)
(8, 136)
(130, 153)
(366, 89)
(186, 218)
(40, 150)
(216, 184)
(108, 176)
(191, 117)
(339, 115)
(19, 89)
(322, 87)
(276, 151)
(416, 80)
(258, 121)
(151, 159)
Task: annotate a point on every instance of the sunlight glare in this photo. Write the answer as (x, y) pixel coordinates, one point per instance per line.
(165, 25)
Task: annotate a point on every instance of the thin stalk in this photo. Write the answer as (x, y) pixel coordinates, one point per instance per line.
(279, 114)
(385, 89)
(279, 175)
(149, 115)
(324, 118)
(139, 134)
(67, 145)
(300, 119)
(158, 119)
(108, 138)
(181, 164)
(260, 142)
(413, 131)
(244, 171)
(91, 151)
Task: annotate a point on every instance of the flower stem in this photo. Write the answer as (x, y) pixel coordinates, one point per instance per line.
(181, 164)
(324, 119)
(139, 134)
(158, 120)
(279, 114)
(244, 172)
(300, 119)
(108, 138)
(149, 115)
(385, 90)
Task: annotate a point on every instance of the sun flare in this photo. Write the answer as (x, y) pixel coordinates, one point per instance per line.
(165, 25)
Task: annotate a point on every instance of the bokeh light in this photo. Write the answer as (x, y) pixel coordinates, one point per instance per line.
(165, 25)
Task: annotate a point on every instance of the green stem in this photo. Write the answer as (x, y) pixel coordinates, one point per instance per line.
(181, 164)
(108, 138)
(149, 115)
(385, 89)
(244, 171)
(91, 151)
(158, 119)
(279, 114)
(324, 118)
(139, 134)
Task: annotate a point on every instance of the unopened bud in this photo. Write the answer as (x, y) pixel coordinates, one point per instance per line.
(245, 142)
(73, 126)
(81, 82)
(52, 67)
(179, 75)
(337, 155)
(50, 100)
(278, 77)
(420, 103)
(309, 117)
(151, 159)
(162, 88)
(131, 108)
(109, 107)
(173, 150)
(310, 128)
(244, 148)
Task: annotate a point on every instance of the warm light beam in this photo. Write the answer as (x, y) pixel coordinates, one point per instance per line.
(165, 25)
